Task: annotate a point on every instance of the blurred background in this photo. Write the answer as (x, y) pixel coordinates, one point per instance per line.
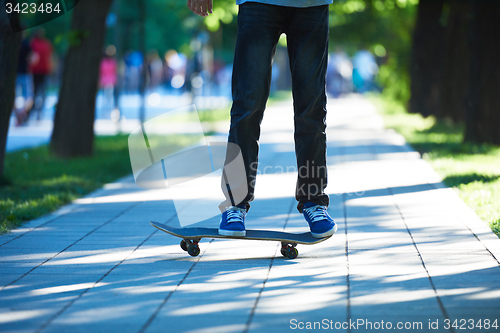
(156, 55)
(160, 50)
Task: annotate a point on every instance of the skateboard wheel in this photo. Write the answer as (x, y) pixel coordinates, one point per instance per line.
(184, 245)
(193, 250)
(292, 253)
(289, 251)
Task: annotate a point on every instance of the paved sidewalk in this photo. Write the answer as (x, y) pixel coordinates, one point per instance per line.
(408, 252)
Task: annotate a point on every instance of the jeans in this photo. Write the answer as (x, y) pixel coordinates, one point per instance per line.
(40, 87)
(259, 29)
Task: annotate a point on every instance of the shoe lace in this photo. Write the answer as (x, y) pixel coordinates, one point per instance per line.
(235, 215)
(316, 213)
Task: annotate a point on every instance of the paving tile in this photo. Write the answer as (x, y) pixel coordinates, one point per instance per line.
(32, 301)
(211, 295)
(38, 244)
(118, 303)
(14, 274)
(48, 289)
(15, 256)
(154, 265)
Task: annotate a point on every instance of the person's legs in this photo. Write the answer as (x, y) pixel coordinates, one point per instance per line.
(39, 82)
(43, 96)
(259, 29)
(307, 37)
(307, 40)
(24, 89)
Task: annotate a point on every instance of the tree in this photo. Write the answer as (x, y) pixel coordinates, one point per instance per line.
(162, 19)
(456, 62)
(73, 133)
(9, 50)
(426, 59)
(483, 107)
(378, 26)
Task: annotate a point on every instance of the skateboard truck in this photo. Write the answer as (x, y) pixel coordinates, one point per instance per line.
(288, 250)
(191, 246)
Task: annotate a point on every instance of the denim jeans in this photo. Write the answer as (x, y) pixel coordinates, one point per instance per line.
(259, 29)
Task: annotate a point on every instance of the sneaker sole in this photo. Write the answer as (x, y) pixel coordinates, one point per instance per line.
(325, 234)
(234, 233)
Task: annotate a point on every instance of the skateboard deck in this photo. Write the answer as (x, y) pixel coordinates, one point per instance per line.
(192, 236)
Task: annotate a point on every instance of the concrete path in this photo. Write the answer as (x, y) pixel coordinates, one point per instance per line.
(409, 254)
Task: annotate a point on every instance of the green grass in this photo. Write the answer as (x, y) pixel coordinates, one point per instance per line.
(220, 114)
(36, 183)
(472, 170)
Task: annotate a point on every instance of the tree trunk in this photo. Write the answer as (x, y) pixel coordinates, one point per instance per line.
(73, 133)
(456, 63)
(483, 107)
(426, 58)
(9, 52)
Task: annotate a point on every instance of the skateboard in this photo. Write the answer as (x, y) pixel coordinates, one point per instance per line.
(192, 236)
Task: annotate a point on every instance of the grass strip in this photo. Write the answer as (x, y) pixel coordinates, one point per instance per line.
(473, 170)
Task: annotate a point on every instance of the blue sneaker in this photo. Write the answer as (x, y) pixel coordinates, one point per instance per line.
(233, 222)
(320, 223)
